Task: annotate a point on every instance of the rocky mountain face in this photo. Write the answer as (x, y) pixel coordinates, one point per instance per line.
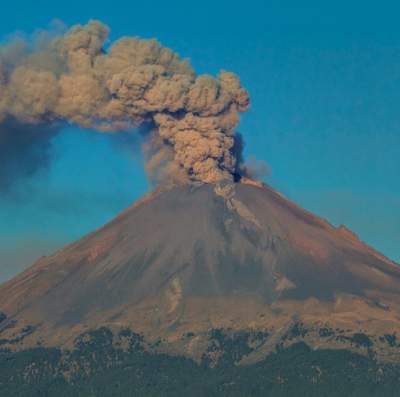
(183, 262)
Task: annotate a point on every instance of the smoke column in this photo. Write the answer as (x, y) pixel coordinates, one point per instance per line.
(71, 78)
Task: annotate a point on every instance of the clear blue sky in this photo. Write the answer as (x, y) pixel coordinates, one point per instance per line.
(324, 80)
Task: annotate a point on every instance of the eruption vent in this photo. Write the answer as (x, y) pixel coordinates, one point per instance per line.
(72, 78)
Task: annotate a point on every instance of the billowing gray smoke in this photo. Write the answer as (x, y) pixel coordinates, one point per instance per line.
(71, 78)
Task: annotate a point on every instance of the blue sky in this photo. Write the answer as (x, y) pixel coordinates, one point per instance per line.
(324, 81)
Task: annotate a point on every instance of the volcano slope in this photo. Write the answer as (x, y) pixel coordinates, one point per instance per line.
(228, 274)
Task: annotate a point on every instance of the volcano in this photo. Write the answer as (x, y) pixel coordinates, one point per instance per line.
(194, 258)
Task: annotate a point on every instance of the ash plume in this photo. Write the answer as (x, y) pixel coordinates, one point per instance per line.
(24, 150)
(72, 78)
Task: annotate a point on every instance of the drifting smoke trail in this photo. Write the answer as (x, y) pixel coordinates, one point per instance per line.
(23, 150)
(71, 78)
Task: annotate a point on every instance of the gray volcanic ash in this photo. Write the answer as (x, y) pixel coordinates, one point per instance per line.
(72, 78)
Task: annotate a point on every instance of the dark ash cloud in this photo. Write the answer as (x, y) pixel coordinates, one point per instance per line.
(71, 78)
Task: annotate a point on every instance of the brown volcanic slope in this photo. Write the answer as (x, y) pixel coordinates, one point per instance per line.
(195, 258)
